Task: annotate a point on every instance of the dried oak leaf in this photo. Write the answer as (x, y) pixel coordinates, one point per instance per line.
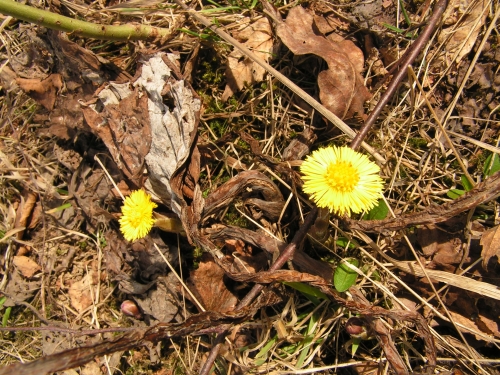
(241, 70)
(207, 284)
(341, 86)
(490, 241)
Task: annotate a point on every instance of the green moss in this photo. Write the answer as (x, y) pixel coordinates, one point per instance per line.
(233, 217)
(419, 143)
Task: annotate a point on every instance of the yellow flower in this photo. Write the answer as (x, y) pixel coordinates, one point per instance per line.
(137, 215)
(342, 180)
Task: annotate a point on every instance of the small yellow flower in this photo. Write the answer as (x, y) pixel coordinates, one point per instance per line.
(137, 215)
(342, 180)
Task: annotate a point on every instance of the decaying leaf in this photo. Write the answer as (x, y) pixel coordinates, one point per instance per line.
(25, 210)
(491, 245)
(173, 129)
(341, 86)
(467, 18)
(241, 70)
(80, 292)
(27, 266)
(44, 91)
(159, 302)
(120, 118)
(207, 284)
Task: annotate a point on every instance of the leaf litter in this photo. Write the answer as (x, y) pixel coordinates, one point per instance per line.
(147, 128)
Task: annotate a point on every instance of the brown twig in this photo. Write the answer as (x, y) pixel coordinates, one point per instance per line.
(73, 331)
(483, 192)
(406, 60)
(285, 255)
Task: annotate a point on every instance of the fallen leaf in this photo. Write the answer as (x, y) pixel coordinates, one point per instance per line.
(207, 284)
(27, 266)
(25, 210)
(490, 241)
(240, 69)
(120, 117)
(80, 293)
(159, 302)
(468, 18)
(488, 325)
(478, 324)
(341, 86)
(173, 130)
(44, 91)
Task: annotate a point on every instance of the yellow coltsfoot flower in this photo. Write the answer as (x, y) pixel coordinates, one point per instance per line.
(137, 215)
(342, 180)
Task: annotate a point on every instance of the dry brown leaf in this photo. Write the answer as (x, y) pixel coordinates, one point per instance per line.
(207, 284)
(120, 119)
(25, 210)
(467, 18)
(43, 91)
(159, 302)
(487, 325)
(27, 266)
(479, 323)
(80, 293)
(490, 241)
(341, 86)
(240, 69)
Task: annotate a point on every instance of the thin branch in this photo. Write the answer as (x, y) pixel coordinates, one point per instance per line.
(407, 59)
(482, 192)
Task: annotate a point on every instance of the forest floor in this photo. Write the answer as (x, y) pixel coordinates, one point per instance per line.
(217, 140)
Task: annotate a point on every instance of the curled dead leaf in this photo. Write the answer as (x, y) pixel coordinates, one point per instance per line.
(491, 245)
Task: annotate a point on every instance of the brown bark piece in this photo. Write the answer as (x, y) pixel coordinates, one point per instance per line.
(341, 86)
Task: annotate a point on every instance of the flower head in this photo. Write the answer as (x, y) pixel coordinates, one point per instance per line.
(341, 179)
(137, 215)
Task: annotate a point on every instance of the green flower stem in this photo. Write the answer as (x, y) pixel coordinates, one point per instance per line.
(81, 28)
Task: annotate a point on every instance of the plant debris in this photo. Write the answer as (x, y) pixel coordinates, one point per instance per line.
(241, 273)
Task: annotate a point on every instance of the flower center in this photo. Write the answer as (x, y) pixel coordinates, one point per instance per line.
(342, 177)
(136, 218)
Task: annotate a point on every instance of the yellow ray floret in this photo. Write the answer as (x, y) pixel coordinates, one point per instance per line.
(137, 215)
(342, 180)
